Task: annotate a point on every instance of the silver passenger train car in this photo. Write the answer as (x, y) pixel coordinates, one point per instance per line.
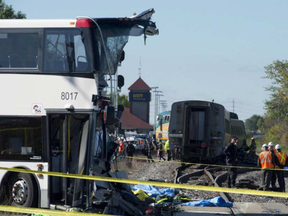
(199, 130)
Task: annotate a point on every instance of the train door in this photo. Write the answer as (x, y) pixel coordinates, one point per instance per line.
(196, 130)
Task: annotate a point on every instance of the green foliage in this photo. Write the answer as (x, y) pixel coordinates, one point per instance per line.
(251, 124)
(7, 12)
(274, 124)
(277, 72)
(123, 100)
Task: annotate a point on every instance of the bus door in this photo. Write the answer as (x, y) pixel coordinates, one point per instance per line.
(69, 137)
(196, 130)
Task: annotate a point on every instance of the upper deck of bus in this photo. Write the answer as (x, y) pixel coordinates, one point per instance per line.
(44, 64)
(78, 47)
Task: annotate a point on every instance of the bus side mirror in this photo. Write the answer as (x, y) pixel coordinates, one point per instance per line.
(121, 81)
(119, 113)
(122, 56)
(120, 108)
(110, 115)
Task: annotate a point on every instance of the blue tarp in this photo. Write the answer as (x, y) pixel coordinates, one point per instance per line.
(217, 201)
(154, 191)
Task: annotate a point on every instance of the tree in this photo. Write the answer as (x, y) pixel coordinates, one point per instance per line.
(274, 125)
(251, 124)
(7, 12)
(123, 100)
(277, 107)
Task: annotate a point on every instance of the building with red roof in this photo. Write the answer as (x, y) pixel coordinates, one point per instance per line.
(136, 117)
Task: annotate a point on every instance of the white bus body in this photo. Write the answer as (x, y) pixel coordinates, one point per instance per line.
(51, 115)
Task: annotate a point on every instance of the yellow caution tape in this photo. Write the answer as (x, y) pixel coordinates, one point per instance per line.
(153, 183)
(47, 212)
(211, 165)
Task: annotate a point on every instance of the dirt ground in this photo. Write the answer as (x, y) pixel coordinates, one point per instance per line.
(145, 171)
(165, 171)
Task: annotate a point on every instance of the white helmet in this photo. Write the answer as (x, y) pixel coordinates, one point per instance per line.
(277, 147)
(264, 146)
(271, 144)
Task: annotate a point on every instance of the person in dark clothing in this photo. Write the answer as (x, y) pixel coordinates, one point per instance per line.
(160, 151)
(231, 158)
(275, 163)
(130, 149)
(149, 147)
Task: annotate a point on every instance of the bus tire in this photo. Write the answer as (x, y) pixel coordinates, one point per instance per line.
(22, 190)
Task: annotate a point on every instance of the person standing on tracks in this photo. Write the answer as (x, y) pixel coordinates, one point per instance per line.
(121, 149)
(282, 158)
(265, 162)
(149, 148)
(167, 149)
(160, 152)
(275, 163)
(231, 158)
(130, 149)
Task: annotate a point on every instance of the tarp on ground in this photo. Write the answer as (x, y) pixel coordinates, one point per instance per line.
(217, 201)
(154, 191)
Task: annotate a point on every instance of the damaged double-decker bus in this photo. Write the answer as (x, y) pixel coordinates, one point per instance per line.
(52, 80)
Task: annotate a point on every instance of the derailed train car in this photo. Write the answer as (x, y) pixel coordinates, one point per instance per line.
(199, 130)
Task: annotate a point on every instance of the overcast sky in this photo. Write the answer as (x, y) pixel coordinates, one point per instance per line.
(206, 49)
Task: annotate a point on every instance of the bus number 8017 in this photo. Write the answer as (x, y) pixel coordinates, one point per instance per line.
(69, 95)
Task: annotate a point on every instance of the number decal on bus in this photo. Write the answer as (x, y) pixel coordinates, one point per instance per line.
(69, 95)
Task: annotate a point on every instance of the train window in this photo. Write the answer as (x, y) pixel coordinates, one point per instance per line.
(197, 125)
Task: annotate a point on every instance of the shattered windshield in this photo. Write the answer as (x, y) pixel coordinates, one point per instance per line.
(115, 39)
(115, 36)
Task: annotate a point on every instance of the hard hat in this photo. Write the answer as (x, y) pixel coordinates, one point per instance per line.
(277, 147)
(264, 146)
(271, 144)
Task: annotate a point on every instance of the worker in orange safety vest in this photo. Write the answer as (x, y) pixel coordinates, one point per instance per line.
(265, 162)
(121, 149)
(282, 158)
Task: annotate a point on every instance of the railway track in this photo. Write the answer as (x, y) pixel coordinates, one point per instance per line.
(216, 176)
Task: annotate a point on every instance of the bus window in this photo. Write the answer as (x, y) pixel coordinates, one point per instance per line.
(20, 138)
(19, 50)
(65, 51)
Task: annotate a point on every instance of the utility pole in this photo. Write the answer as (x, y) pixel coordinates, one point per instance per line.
(233, 105)
(155, 110)
(163, 103)
(158, 101)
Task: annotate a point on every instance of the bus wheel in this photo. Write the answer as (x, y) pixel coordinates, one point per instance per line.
(22, 191)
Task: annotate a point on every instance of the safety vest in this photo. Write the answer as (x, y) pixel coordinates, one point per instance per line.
(281, 158)
(121, 147)
(166, 147)
(266, 160)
